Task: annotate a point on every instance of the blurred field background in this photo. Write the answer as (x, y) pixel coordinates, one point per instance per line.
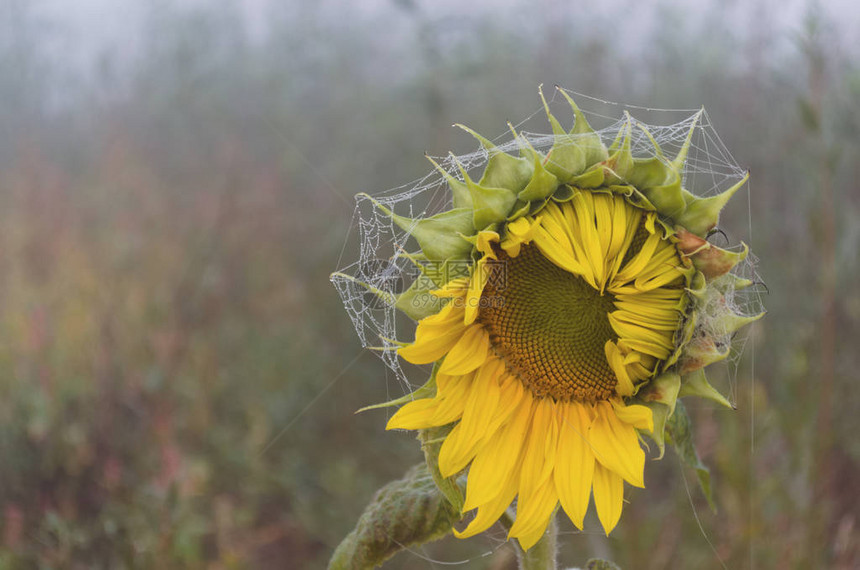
(177, 376)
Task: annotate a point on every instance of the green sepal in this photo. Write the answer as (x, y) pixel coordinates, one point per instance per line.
(431, 442)
(680, 434)
(702, 351)
(428, 390)
(566, 158)
(683, 338)
(661, 395)
(459, 191)
(591, 178)
(714, 261)
(437, 236)
(649, 172)
(658, 152)
(698, 286)
(654, 173)
(564, 193)
(681, 157)
(417, 302)
(732, 282)
(589, 141)
(702, 214)
(663, 389)
(537, 206)
(620, 163)
(384, 296)
(490, 204)
(542, 184)
(696, 384)
(557, 129)
(520, 209)
(667, 198)
(403, 513)
(729, 322)
(440, 276)
(633, 196)
(502, 170)
(659, 413)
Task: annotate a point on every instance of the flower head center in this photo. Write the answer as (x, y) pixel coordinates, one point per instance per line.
(550, 327)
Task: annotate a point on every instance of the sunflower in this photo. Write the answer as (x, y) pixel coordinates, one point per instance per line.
(592, 301)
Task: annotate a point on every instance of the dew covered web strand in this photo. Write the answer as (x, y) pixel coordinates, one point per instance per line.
(384, 267)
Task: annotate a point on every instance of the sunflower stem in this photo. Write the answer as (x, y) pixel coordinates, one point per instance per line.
(541, 556)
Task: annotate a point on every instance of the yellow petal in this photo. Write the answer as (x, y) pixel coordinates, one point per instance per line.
(640, 260)
(620, 216)
(558, 253)
(512, 395)
(417, 414)
(669, 274)
(624, 387)
(429, 348)
(574, 467)
(633, 221)
(485, 242)
(476, 288)
(435, 336)
(541, 448)
(512, 246)
(608, 497)
(533, 514)
(584, 207)
(469, 353)
(490, 512)
(664, 321)
(636, 415)
(616, 445)
(496, 461)
(627, 330)
(644, 346)
(454, 288)
(603, 223)
(451, 398)
(462, 443)
(520, 231)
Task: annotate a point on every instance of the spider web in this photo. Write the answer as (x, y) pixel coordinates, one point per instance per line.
(384, 268)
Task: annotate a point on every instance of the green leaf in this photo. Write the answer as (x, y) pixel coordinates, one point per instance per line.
(679, 433)
(403, 513)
